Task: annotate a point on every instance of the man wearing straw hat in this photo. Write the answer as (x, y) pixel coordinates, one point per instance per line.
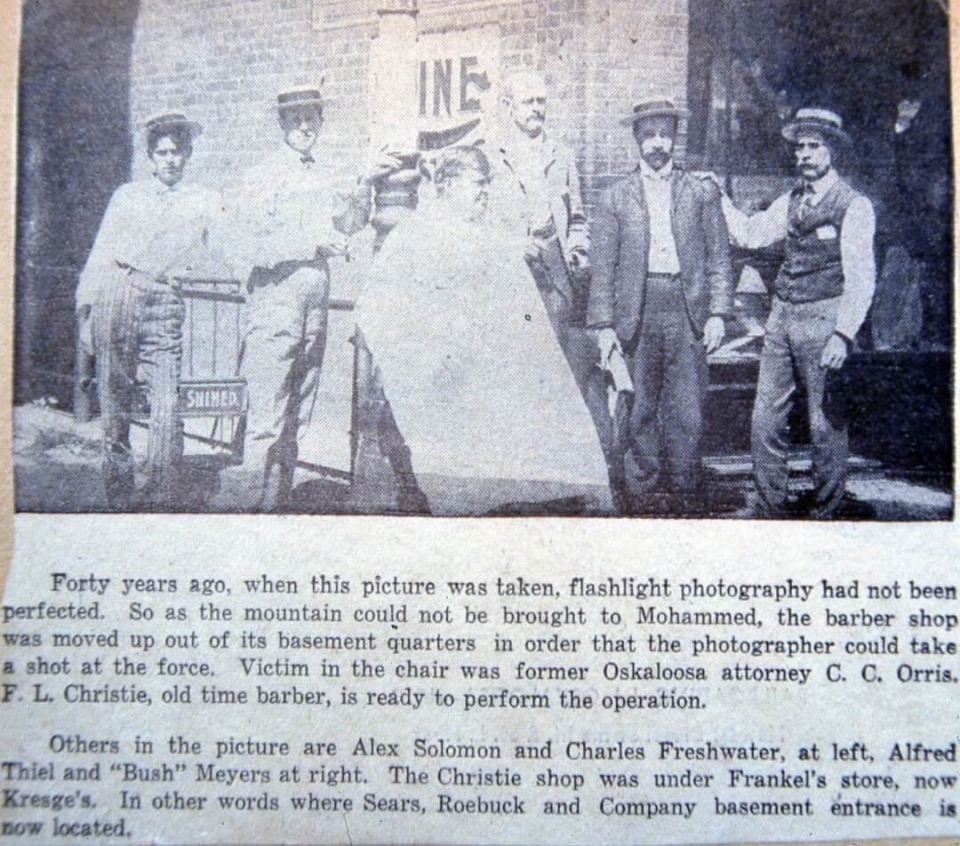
(130, 314)
(293, 214)
(820, 299)
(662, 286)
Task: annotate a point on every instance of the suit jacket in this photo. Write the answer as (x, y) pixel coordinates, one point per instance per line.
(566, 200)
(619, 252)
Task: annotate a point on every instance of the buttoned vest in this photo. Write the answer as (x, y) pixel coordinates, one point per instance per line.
(812, 269)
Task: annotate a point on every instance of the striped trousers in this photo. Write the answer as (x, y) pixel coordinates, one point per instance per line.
(137, 333)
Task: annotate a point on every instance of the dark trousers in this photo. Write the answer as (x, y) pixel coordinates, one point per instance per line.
(794, 341)
(381, 464)
(668, 366)
(137, 330)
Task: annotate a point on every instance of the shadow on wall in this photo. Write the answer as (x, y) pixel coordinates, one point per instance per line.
(74, 143)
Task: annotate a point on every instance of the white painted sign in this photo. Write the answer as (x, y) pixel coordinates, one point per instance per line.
(457, 81)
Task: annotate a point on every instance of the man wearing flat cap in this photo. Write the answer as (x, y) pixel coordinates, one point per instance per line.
(130, 313)
(662, 286)
(294, 212)
(821, 296)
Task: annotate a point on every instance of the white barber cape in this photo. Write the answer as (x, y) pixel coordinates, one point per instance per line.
(469, 362)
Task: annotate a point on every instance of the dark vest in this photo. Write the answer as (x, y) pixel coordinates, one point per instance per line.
(812, 269)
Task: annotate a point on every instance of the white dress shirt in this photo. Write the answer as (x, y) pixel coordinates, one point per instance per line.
(150, 227)
(658, 191)
(290, 206)
(528, 159)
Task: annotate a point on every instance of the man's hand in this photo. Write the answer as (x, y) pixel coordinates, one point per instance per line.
(579, 264)
(382, 164)
(334, 244)
(608, 342)
(713, 332)
(907, 110)
(532, 251)
(710, 176)
(85, 330)
(834, 353)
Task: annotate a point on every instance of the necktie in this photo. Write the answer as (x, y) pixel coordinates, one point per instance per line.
(806, 204)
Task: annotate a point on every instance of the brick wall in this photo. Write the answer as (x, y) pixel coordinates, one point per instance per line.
(224, 60)
(634, 51)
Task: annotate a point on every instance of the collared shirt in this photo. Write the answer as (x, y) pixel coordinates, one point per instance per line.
(766, 228)
(658, 191)
(150, 227)
(288, 207)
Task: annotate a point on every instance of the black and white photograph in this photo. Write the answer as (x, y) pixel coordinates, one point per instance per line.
(612, 258)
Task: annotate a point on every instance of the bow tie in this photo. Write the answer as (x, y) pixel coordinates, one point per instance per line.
(306, 158)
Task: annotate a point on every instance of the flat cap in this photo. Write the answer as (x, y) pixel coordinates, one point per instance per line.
(172, 120)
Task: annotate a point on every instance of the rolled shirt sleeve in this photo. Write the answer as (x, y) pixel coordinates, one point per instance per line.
(110, 244)
(149, 228)
(756, 231)
(859, 266)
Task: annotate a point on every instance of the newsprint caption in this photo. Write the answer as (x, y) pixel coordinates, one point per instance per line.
(511, 690)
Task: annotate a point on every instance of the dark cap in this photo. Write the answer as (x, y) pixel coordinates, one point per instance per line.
(174, 121)
(303, 96)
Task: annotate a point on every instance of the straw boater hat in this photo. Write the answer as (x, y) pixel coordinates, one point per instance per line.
(654, 108)
(304, 95)
(828, 124)
(172, 120)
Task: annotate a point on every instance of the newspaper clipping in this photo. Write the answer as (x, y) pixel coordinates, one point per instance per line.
(481, 421)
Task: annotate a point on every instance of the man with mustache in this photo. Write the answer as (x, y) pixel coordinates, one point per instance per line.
(662, 286)
(293, 214)
(536, 194)
(131, 312)
(820, 299)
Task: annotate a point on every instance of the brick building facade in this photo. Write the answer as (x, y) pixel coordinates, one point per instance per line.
(93, 70)
(223, 60)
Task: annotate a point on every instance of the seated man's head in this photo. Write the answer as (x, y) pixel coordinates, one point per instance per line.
(461, 178)
(170, 145)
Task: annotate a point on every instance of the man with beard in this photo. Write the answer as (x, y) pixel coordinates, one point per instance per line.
(131, 312)
(293, 214)
(662, 285)
(820, 299)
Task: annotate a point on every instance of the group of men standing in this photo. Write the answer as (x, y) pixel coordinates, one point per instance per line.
(645, 284)
(654, 268)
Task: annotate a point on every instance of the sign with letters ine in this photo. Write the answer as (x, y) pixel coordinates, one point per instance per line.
(457, 82)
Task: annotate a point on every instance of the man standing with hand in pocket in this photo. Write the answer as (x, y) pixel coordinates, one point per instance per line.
(130, 311)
